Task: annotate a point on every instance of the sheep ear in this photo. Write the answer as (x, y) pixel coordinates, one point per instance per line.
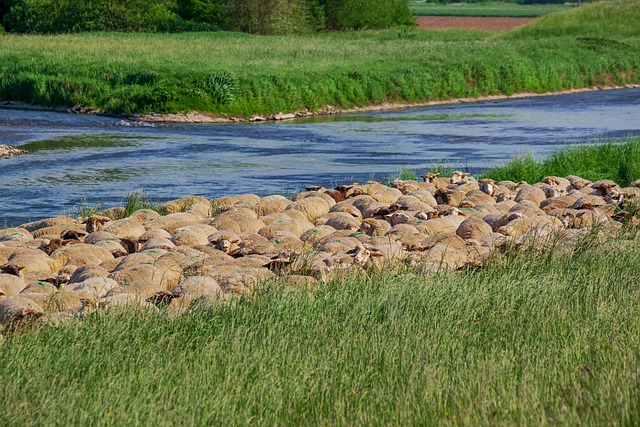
(388, 215)
(436, 174)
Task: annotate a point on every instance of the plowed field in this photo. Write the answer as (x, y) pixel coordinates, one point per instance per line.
(471, 23)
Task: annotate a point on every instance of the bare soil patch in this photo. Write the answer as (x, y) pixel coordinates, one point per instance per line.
(470, 22)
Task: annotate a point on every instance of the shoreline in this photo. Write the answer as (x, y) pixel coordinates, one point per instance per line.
(211, 118)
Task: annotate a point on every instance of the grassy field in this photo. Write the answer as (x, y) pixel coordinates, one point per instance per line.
(498, 9)
(241, 75)
(619, 162)
(533, 340)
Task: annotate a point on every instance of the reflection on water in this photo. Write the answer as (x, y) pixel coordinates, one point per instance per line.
(101, 160)
(71, 142)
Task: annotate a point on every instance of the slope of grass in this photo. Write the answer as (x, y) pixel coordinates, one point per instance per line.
(498, 9)
(241, 75)
(619, 162)
(547, 340)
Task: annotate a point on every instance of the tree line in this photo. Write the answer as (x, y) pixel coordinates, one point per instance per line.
(252, 16)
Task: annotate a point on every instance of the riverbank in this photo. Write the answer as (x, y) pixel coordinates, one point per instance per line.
(203, 117)
(246, 77)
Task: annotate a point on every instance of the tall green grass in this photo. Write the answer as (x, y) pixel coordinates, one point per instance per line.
(613, 160)
(241, 75)
(497, 9)
(535, 340)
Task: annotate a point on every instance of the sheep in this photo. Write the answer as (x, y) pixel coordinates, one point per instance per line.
(346, 207)
(408, 187)
(374, 227)
(603, 187)
(531, 194)
(473, 228)
(271, 204)
(557, 203)
(125, 228)
(32, 263)
(312, 235)
(576, 182)
(11, 285)
(238, 224)
(287, 241)
(388, 195)
(155, 233)
(562, 183)
(297, 227)
(410, 203)
(306, 194)
(49, 222)
(96, 223)
(446, 224)
(15, 309)
(435, 180)
(449, 196)
(476, 197)
(425, 197)
(15, 234)
(521, 226)
(225, 241)
(527, 210)
(196, 205)
(253, 244)
(334, 243)
(243, 200)
(171, 222)
(339, 221)
(87, 272)
(193, 235)
(312, 207)
(400, 230)
(201, 288)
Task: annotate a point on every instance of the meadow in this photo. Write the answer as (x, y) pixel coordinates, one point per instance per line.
(533, 339)
(233, 74)
(497, 9)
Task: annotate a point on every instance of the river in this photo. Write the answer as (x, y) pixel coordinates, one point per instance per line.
(80, 160)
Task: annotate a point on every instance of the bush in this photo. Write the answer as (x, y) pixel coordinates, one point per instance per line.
(68, 16)
(361, 14)
(273, 16)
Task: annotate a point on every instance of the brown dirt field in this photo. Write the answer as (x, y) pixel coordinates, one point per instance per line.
(470, 22)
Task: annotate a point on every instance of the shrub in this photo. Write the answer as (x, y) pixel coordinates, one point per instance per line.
(360, 14)
(272, 16)
(67, 16)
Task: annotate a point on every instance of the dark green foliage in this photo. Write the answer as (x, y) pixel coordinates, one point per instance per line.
(359, 14)
(67, 16)
(206, 11)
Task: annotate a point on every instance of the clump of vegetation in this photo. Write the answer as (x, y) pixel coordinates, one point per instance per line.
(613, 160)
(253, 16)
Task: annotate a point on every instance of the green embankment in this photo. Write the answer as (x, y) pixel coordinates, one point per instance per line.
(241, 75)
(497, 9)
(536, 340)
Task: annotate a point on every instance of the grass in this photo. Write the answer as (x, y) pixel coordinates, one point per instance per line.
(240, 75)
(533, 340)
(613, 160)
(498, 9)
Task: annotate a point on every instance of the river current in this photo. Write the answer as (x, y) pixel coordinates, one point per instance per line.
(79, 160)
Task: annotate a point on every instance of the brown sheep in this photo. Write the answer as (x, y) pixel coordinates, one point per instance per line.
(374, 227)
(531, 194)
(473, 228)
(435, 180)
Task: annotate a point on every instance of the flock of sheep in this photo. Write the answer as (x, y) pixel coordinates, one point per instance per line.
(61, 267)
